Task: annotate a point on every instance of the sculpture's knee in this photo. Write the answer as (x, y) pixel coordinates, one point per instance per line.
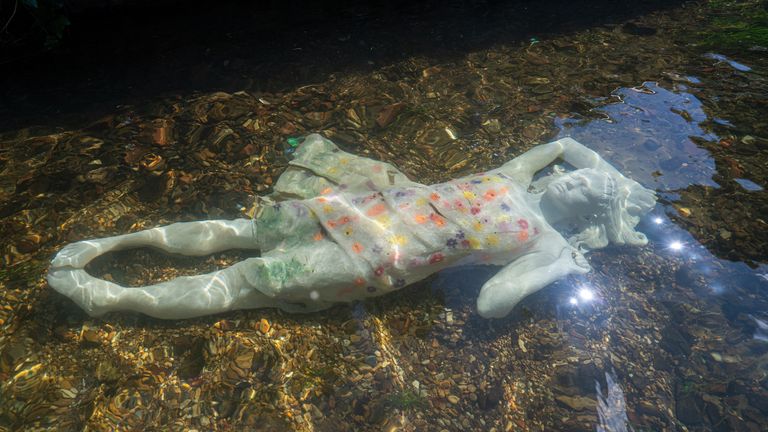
(496, 300)
(266, 275)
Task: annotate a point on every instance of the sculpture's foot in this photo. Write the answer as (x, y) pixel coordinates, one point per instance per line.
(77, 255)
(95, 296)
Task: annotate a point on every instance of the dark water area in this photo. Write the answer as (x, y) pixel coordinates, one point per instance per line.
(119, 55)
(186, 113)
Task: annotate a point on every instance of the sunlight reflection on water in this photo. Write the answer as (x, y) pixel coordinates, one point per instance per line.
(650, 135)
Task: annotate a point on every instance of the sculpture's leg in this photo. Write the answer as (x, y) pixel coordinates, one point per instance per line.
(182, 297)
(186, 238)
(302, 279)
(320, 271)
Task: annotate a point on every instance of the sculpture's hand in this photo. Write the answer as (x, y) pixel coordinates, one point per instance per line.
(639, 199)
(581, 261)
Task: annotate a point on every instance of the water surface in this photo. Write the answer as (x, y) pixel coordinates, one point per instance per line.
(670, 336)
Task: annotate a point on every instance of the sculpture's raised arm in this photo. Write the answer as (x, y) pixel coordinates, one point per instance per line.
(525, 166)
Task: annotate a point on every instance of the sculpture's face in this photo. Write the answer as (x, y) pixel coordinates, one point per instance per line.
(578, 193)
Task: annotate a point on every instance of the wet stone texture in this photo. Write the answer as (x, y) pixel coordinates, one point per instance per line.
(669, 337)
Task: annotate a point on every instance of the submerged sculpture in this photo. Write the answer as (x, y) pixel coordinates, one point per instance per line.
(341, 227)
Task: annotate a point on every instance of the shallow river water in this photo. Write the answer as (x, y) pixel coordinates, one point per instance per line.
(672, 336)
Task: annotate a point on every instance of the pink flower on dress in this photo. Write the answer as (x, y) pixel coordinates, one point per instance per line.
(436, 258)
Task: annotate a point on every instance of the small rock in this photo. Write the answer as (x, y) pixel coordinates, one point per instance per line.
(578, 403)
(29, 243)
(264, 326)
(453, 399)
(89, 335)
(388, 114)
(688, 410)
(651, 144)
(492, 126)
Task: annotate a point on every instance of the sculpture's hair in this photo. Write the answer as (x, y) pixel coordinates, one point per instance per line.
(622, 203)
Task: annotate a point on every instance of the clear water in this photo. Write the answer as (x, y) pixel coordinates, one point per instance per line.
(671, 336)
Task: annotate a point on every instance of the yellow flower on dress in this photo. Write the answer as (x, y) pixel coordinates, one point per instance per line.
(478, 226)
(398, 240)
(492, 240)
(473, 242)
(469, 195)
(384, 221)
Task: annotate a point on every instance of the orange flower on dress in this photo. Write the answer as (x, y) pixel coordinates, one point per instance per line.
(490, 195)
(437, 219)
(357, 247)
(420, 218)
(522, 236)
(376, 210)
(434, 196)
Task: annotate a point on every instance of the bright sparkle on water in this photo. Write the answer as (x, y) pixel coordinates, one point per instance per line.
(657, 220)
(676, 245)
(586, 294)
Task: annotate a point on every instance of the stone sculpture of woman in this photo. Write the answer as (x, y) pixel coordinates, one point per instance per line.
(341, 228)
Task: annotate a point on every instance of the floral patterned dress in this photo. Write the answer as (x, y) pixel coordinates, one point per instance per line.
(395, 231)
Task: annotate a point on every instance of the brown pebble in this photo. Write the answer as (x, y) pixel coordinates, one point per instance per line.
(264, 326)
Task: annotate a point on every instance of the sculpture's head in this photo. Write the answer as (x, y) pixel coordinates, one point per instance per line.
(601, 208)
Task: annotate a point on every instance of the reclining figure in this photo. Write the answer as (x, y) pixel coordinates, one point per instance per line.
(340, 228)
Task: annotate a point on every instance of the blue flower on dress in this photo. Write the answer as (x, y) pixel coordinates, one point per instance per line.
(451, 243)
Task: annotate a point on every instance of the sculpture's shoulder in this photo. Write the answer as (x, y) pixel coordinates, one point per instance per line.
(485, 187)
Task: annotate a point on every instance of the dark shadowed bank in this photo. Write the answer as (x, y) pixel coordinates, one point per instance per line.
(114, 53)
